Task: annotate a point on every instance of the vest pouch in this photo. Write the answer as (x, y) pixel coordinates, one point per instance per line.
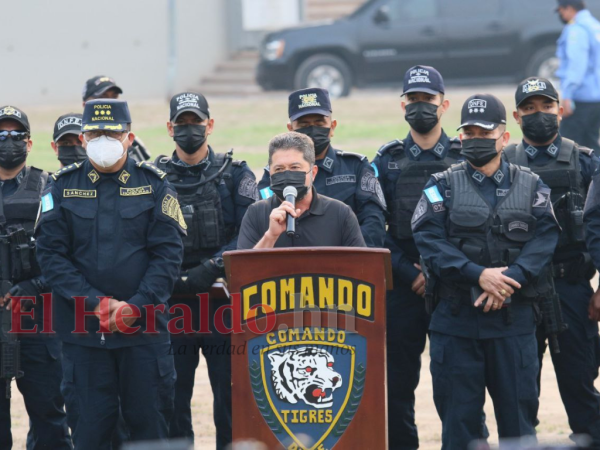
(575, 204)
(206, 226)
(190, 242)
(518, 226)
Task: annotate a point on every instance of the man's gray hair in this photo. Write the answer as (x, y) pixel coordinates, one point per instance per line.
(293, 141)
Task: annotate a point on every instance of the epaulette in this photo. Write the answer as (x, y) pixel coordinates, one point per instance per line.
(356, 155)
(152, 168)
(390, 145)
(586, 151)
(238, 162)
(66, 169)
(455, 143)
(439, 176)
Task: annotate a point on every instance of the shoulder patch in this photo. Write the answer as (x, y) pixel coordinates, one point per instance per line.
(152, 168)
(47, 202)
(356, 155)
(433, 195)
(266, 193)
(66, 169)
(374, 166)
(390, 146)
(248, 188)
(170, 208)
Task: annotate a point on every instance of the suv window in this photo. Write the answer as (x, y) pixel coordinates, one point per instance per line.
(469, 8)
(407, 10)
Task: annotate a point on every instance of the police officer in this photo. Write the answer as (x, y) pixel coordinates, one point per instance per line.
(102, 86)
(578, 51)
(486, 229)
(65, 139)
(109, 242)
(567, 168)
(404, 167)
(214, 192)
(20, 192)
(344, 176)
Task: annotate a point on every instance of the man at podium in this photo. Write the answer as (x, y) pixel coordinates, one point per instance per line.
(318, 220)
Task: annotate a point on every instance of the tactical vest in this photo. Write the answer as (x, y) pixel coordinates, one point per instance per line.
(17, 219)
(563, 175)
(413, 177)
(200, 203)
(491, 237)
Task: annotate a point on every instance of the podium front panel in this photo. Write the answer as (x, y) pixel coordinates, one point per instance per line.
(308, 369)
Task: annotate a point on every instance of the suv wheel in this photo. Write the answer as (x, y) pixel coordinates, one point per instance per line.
(324, 71)
(544, 63)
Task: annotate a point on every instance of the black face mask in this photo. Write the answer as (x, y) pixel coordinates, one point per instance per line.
(190, 137)
(421, 116)
(295, 178)
(69, 154)
(479, 151)
(540, 127)
(319, 136)
(12, 153)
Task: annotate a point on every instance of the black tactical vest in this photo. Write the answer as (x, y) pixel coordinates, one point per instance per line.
(18, 219)
(413, 177)
(491, 237)
(563, 176)
(200, 203)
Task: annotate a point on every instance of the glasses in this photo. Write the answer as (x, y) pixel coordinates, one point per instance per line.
(90, 135)
(14, 135)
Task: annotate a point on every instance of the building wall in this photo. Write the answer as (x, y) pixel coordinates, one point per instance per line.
(48, 48)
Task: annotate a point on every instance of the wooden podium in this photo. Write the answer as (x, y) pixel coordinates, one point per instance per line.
(309, 369)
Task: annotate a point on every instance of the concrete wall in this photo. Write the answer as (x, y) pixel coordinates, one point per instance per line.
(48, 48)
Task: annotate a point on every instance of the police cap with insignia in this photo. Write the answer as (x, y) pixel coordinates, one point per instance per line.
(309, 101)
(189, 102)
(483, 110)
(532, 86)
(423, 79)
(69, 123)
(14, 113)
(98, 85)
(106, 114)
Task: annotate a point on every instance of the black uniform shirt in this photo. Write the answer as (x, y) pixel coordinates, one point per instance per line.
(327, 223)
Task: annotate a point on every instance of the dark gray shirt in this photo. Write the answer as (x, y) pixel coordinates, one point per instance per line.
(327, 223)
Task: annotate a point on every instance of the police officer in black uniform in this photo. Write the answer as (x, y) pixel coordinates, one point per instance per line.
(486, 229)
(344, 176)
(102, 86)
(20, 192)
(65, 139)
(567, 168)
(404, 167)
(214, 192)
(109, 242)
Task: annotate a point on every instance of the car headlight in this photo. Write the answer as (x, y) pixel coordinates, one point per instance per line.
(273, 50)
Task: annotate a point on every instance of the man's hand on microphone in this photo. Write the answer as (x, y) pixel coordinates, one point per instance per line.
(277, 224)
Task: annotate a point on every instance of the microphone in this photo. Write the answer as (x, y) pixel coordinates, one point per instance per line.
(290, 193)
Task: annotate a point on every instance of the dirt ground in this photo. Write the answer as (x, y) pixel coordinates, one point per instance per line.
(366, 120)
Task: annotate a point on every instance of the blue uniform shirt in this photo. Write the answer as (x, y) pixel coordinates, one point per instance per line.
(452, 265)
(388, 173)
(349, 178)
(579, 54)
(115, 235)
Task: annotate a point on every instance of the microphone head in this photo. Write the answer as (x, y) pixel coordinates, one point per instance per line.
(290, 190)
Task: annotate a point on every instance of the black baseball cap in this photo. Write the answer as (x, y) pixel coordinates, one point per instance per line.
(309, 101)
(483, 110)
(423, 79)
(532, 86)
(105, 114)
(69, 123)
(189, 102)
(94, 87)
(14, 113)
(564, 3)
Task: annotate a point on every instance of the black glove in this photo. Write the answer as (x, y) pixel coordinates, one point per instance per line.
(202, 277)
(27, 288)
(181, 287)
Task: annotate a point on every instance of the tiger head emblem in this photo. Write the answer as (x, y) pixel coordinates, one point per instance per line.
(305, 373)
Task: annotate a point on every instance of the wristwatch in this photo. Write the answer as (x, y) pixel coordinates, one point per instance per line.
(219, 264)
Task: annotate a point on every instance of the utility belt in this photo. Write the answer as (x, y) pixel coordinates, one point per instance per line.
(574, 269)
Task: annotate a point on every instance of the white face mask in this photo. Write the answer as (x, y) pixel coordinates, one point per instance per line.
(105, 151)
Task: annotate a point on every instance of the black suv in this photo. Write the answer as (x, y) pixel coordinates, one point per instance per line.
(466, 40)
